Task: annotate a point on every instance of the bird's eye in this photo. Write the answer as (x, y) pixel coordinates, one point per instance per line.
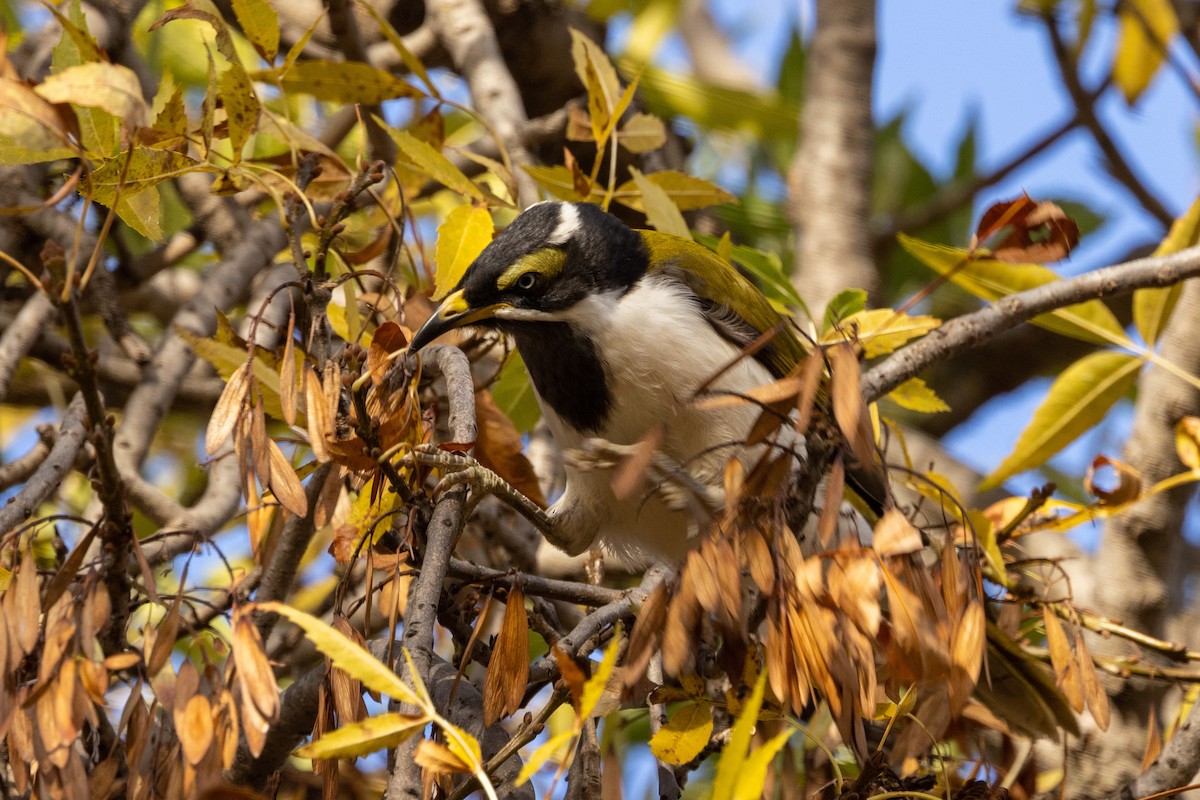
(527, 281)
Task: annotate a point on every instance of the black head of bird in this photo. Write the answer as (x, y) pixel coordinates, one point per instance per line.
(619, 329)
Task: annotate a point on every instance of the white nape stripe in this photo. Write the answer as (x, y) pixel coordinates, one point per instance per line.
(568, 224)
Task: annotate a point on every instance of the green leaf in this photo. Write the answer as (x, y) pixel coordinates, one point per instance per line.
(260, 24)
(76, 45)
(514, 395)
(205, 11)
(462, 236)
(661, 212)
(685, 735)
(431, 162)
(365, 736)
(844, 304)
(347, 655)
(989, 279)
(1147, 27)
(1078, 399)
(687, 192)
(731, 764)
(342, 82)
(758, 115)
(915, 395)
(1152, 307)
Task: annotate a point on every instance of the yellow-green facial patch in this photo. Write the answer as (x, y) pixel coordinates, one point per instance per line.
(547, 262)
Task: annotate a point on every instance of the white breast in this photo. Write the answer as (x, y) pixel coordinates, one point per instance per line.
(658, 350)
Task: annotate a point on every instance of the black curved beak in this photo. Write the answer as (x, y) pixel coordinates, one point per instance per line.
(453, 313)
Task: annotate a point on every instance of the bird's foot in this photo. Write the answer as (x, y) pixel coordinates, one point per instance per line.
(464, 470)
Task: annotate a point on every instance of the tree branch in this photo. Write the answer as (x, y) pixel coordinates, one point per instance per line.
(829, 181)
(970, 330)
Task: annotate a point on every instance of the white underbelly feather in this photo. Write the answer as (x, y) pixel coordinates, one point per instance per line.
(658, 350)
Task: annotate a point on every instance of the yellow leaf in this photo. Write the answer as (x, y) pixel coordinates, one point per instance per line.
(1187, 442)
(30, 128)
(1146, 29)
(915, 395)
(241, 107)
(341, 82)
(595, 686)
(1078, 399)
(880, 330)
(731, 764)
(661, 211)
(685, 735)
(461, 238)
(542, 754)
(463, 745)
(260, 24)
(99, 85)
(365, 737)
(687, 192)
(559, 181)
(347, 655)
(1152, 307)
(754, 773)
(989, 279)
(146, 167)
(643, 133)
(431, 162)
(599, 77)
(409, 60)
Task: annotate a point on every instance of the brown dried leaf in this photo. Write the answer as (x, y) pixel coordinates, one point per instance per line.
(316, 415)
(1045, 234)
(27, 609)
(1153, 740)
(254, 671)
(284, 482)
(229, 407)
(500, 449)
(895, 535)
(831, 511)
(1129, 482)
(1093, 691)
(165, 634)
(967, 648)
(287, 373)
(254, 726)
(629, 473)
(854, 583)
(122, 661)
(572, 675)
(1059, 646)
(196, 733)
(678, 637)
(999, 216)
(508, 670)
(759, 560)
(646, 635)
(438, 759)
(849, 409)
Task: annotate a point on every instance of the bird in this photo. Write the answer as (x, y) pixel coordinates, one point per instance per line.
(618, 329)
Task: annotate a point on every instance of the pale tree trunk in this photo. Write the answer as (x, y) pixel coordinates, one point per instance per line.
(830, 179)
(1139, 568)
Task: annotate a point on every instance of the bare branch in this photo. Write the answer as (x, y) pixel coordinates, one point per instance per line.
(21, 335)
(1085, 107)
(466, 32)
(970, 330)
(46, 480)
